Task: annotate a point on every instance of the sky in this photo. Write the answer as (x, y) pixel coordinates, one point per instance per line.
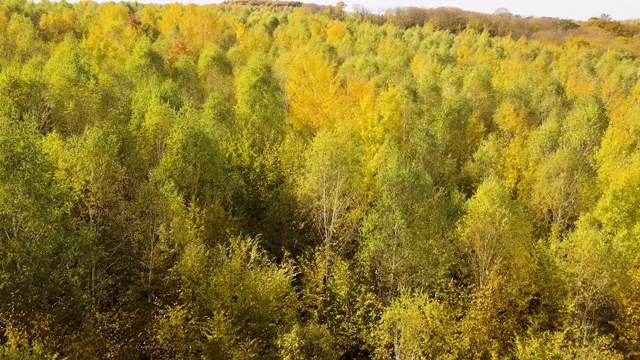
(570, 9)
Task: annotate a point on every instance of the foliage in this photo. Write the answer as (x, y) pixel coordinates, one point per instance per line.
(278, 180)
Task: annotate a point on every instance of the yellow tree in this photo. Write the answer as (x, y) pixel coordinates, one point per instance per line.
(200, 26)
(4, 22)
(170, 20)
(111, 37)
(251, 41)
(57, 24)
(618, 170)
(414, 327)
(312, 91)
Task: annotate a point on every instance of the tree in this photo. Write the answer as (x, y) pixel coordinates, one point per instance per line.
(215, 70)
(145, 62)
(24, 95)
(42, 263)
(242, 303)
(591, 263)
(496, 232)
(502, 11)
(260, 107)
(330, 189)
(193, 162)
(200, 26)
(111, 38)
(311, 91)
(23, 41)
(71, 92)
(406, 240)
(57, 24)
(414, 327)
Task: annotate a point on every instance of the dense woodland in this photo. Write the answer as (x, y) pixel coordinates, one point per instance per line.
(291, 181)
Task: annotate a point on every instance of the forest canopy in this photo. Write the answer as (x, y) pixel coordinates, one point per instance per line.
(291, 181)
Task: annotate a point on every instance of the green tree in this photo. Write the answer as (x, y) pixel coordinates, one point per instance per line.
(42, 264)
(496, 234)
(242, 302)
(406, 234)
(495, 231)
(71, 88)
(330, 187)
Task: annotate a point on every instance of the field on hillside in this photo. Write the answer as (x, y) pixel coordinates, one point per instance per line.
(294, 181)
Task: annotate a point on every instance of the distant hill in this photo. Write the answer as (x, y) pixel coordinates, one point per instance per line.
(271, 3)
(600, 30)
